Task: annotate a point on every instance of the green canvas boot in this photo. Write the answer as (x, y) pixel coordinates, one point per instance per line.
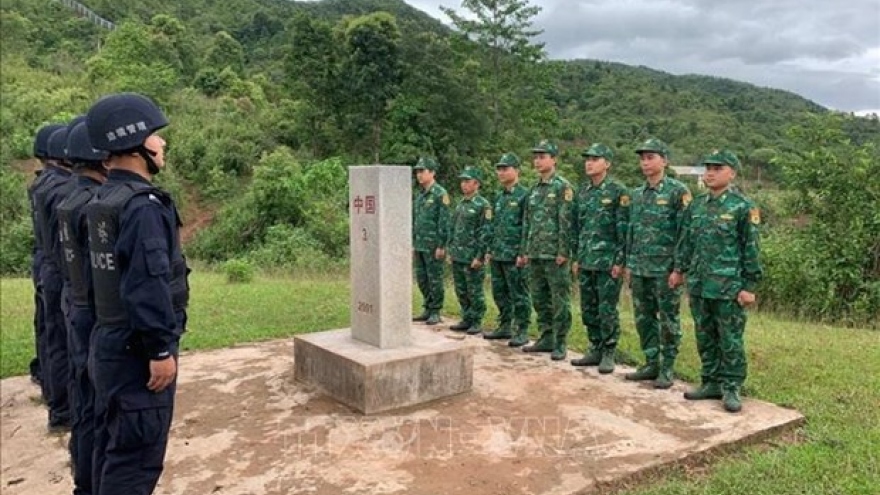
(731, 400)
(591, 358)
(475, 329)
(433, 318)
(707, 391)
(559, 350)
(502, 332)
(422, 317)
(544, 344)
(646, 372)
(520, 339)
(664, 377)
(460, 326)
(607, 364)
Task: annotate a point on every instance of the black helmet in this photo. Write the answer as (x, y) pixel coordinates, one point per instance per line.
(76, 120)
(79, 148)
(123, 121)
(41, 140)
(57, 144)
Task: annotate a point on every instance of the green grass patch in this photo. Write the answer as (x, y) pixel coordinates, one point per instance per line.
(830, 374)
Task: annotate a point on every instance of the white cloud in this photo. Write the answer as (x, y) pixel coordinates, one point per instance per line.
(826, 51)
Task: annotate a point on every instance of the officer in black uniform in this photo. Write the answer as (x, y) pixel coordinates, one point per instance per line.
(47, 197)
(139, 277)
(90, 173)
(41, 152)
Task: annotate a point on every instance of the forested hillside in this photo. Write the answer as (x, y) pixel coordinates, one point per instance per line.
(270, 100)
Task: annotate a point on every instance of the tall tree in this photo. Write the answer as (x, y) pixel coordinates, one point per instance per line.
(138, 57)
(312, 69)
(372, 71)
(504, 30)
(225, 51)
(439, 110)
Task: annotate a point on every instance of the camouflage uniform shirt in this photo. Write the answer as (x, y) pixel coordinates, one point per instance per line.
(430, 219)
(508, 224)
(471, 228)
(547, 230)
(719, 251)
(600, 223)
(655, 227)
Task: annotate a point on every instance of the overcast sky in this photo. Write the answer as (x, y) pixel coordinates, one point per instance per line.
(825, 50)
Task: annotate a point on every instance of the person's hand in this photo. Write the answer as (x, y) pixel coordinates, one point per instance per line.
(560, 260)
(522, 261)
(476, 264)
(440, 253)
(162, 373)
(616, 271)
(675, 279)
(745, 298)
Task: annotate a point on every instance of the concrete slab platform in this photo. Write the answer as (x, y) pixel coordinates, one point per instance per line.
(371, 379)
(243, 426)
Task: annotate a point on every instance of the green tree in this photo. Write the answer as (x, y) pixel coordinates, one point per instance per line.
(224, 52)
(439, 110)
(371, 72)
(312, 70)
(515, 79)
(136, 57)
(838, 189)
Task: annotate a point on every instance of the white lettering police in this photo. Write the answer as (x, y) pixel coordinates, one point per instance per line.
(103, 261)
(126, 130)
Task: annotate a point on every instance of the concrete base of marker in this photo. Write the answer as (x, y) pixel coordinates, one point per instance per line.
(373, 380)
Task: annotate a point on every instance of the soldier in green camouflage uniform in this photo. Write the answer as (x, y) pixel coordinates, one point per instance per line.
(600, 224)
(430, 232)
(719, 254)
(656, 216)
(546, 248)
(509, 284)
(468, 244)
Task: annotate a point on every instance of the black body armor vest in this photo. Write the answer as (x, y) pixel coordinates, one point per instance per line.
(45, 184)
(75, 255)
(103, 221)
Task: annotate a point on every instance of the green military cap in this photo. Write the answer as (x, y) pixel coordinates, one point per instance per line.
(508, 160)
(471, 173)
(723, 157)
(654, 145)
(599, 150)
(546, 146)
(426, 163)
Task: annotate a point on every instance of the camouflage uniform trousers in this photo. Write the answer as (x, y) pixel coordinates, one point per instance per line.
(600, 295)
(550, 285)
(470, 292)
(656, 308)
(720, 325)
(429, 277)
(510, 291)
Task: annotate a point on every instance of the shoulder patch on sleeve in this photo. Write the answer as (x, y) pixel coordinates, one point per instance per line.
(488, 212)
(446, 199)
(624, 200)
(568, 194)
(686, 199)
(755, 216)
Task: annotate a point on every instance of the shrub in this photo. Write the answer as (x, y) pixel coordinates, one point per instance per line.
(238, 271)
(289, 247)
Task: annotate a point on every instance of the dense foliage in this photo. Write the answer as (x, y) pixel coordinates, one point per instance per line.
(270, 100)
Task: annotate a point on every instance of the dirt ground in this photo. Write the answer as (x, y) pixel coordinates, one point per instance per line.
(243, 426)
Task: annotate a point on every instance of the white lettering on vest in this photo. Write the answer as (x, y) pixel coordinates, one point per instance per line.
(103, 261)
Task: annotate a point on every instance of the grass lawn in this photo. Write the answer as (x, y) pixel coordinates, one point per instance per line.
(830, 374)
